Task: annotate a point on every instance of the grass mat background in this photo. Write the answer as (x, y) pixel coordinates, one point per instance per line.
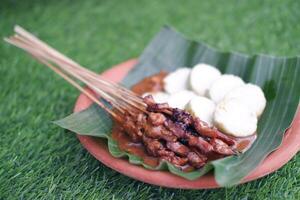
(41, 161)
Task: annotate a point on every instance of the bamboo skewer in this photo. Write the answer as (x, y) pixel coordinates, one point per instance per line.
(75, 84)
(119, 97)
(123, 94)
(60, 57)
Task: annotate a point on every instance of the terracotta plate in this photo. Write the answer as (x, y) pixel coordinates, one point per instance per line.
(98, 149)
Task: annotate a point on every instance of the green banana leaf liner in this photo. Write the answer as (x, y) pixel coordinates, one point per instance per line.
(169, 50)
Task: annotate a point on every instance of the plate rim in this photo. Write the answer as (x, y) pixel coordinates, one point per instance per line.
(97, 147)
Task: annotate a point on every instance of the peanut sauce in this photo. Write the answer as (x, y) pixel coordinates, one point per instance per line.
(244, 143)
(137, 149)
(154, 83)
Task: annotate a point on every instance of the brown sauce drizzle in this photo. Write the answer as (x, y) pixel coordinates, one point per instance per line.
(244, 143)
(154, 83)
(125, 144)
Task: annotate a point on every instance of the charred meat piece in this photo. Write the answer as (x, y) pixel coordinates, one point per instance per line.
(158, 132)
(175, 128)
(153, 146)
(183, 117)
(200, 143)
(162, 108)
(196, 160)
(221, 147)
(157, 119)
(166, 153)
(205, 130)
(131, 129)
(178, 148)
(157, 107)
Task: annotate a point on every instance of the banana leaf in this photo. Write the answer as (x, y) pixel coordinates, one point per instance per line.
(169, 50)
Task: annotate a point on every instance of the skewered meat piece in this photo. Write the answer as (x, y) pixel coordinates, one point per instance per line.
(155, 148)
(158, 132)
(157, 119)
(131, 129)
(204, 129)
(157, 107)
(178, 148)
(201, 144)
(175, 128)
(183, 117)
(176, 136)
(196, 160)
(152, 145)
(221, 147)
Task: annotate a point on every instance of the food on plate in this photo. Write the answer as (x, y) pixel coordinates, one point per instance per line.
(201, 78)
(234, 117)
(162, 132)
(250, 95)
(177, 80)
(208, 129)
(180, 99)
(230, 105)
(223, 85)
(186, 138)
(174, 135)
(201, 107)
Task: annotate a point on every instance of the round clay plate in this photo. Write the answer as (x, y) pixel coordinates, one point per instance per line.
(98, 149)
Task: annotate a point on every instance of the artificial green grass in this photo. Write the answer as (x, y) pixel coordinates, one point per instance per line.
(41, 161)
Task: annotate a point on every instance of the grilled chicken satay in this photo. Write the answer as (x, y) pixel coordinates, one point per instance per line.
(176, 136)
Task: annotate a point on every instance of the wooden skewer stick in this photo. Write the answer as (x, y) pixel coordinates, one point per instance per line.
(107, 94)
(19, 30)
(116, 95)
(40, 57)
(82, 74)
(76, 85)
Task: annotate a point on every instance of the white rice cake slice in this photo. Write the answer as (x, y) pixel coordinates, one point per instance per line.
(180, 99)
(201, 107)
(223, 85)
(201, 78)
(250, 94)
(233, 117)
(177, 80)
